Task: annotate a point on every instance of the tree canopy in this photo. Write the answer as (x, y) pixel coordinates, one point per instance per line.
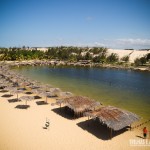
(70, 54)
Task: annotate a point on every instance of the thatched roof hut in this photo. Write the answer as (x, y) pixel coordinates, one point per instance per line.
(114, 118)
(78, 104)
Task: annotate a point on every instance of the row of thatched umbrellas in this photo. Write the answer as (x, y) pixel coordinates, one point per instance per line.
(16, 84)
(114, 118)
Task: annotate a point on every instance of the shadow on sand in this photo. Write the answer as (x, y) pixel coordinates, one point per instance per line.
(140, 137)
(28, 93)
(13, 100)
(6, 95)
(41, 103)
(64, 112)
(37, 97)
(97, 129)
(3, 91)
(22, 106)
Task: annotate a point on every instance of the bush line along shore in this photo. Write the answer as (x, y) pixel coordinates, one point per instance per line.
(78, 56)
(55, 63)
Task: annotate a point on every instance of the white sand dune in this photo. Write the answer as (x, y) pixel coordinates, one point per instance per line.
(132, 53)
(23, 130)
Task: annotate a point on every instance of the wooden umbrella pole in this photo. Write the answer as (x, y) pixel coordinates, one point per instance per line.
(88, 120)
(130, 127)
(60, 106)
(110, 133)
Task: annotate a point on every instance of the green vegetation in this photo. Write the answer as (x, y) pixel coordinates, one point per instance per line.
(148, 57)
(112, 58)
(125, 58)
(98, 50)
(69, 54)
(140, 61)
(18, 54)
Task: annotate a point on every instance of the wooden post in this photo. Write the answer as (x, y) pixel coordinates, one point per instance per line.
(60, 106)
(130, 127)
(110, 133)
(88, 120)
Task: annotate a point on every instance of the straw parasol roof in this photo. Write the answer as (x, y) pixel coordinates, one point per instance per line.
(26, 98)
(114, 118)
(78, 104)
(64, 94)
(46, 94)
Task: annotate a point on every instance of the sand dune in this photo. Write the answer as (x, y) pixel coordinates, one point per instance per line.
(23, 130)
(132, 53)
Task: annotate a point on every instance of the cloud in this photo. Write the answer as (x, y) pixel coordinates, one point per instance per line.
(127, 43)
(89, 18)
(143, 42)
(109, 43)
(99, 44)
(92, 44)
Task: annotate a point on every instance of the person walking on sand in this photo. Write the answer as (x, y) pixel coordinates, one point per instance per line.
(145, 132)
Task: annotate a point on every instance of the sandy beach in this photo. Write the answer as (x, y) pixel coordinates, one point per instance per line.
(22, 129)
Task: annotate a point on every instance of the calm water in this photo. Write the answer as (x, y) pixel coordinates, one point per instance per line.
(125, 89)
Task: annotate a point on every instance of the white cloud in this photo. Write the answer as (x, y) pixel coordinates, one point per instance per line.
(127, 43)
(134, 42)
(89, 18)
(92, 44)
(99, 44)
(109, 43)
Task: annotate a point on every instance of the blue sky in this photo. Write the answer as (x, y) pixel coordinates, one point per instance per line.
(109, 23)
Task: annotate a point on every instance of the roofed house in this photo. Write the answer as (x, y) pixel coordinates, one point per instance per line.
(114, 118)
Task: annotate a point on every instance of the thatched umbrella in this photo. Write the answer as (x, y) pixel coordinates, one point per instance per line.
(33, 86)
(9, 89)
(65, 94)
(26, 98)
(16, 91)
(78, 104)
(2, 83)
(55, 90)
(46, 87)
(23, 83)
(46, 94)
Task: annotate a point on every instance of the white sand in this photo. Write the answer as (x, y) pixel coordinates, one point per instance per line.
(23, 130)
(132, 53)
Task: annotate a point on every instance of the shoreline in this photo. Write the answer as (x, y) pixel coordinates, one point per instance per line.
(63, 63)
(23, 129)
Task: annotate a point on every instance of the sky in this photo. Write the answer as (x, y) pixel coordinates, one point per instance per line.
(119, 24)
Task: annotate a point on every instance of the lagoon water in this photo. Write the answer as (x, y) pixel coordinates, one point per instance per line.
(122, 88)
